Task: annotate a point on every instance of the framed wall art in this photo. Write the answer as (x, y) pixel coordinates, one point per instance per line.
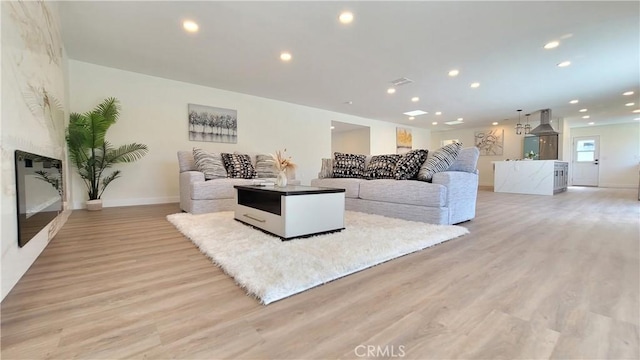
(212, 124)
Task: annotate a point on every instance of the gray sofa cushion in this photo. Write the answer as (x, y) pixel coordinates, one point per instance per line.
(216, 189)
(410, 192)
(266, 167)
(466, 161)
(440, 160)
(326, 171)
(351, 186)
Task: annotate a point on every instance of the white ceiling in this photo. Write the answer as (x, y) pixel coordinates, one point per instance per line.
(498, 44)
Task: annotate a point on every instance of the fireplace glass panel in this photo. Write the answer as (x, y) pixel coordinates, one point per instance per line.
(38, 193)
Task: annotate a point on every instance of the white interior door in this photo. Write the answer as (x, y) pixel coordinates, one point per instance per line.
(586, 155)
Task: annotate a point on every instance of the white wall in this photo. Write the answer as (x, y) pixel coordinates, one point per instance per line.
(33, 69)
(154, 112)
(513, 148)
(352, 141)
(619, 153)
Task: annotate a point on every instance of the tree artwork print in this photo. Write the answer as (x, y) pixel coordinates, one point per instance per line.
(212, 124)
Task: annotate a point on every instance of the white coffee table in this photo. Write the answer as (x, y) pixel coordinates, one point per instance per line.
(290, 212)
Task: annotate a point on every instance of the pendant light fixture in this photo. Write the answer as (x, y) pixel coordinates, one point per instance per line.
(519, 124)
(527, 127)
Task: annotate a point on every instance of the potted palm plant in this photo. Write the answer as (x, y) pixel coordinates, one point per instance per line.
(92, 155)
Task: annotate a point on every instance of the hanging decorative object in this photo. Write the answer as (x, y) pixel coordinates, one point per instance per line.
(527, 127)
(519, 124)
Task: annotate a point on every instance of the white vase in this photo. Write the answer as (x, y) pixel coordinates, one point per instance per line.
(94, 205)
(281, 180)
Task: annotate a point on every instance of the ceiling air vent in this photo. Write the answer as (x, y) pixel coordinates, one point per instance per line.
(401, 81)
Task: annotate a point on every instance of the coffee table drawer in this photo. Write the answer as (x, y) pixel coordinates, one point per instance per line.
(261, 219)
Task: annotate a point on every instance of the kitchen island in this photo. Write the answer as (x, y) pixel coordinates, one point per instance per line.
(535, 177)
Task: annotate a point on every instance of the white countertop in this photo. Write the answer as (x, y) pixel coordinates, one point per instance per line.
(524, 177)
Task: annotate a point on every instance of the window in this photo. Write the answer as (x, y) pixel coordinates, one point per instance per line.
(585, 150)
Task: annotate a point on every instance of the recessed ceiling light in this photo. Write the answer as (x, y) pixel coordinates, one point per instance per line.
(415, 99)
(494, 123)
(412, 118)
(574, 101)
(627, 93)
(415, 113)
(454, 122)
(346, 17)
(333, 127)
(636, 111)
(551, 45)
(475, 85)
(629, 104)
(391, 91)
(438, 112)
(638, 118)
(348, 102)
(454, 72)
(190, 26)
(586, 117)
(583, 110)
(591, 123)
(285, 56)
(434, 123)
(460, 119)
(564, 64)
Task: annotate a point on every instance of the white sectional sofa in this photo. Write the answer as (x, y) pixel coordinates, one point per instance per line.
(449, 199)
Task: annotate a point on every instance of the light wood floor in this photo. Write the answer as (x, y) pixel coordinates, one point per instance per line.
(538, 277)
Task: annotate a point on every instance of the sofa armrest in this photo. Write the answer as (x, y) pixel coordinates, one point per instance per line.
(462, 193)
(186, 179)
(191, 176)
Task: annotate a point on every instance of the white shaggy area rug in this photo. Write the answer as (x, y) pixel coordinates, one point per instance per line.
(271, 269)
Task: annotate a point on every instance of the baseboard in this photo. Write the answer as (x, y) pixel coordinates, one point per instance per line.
(131, 202)
(620, 186)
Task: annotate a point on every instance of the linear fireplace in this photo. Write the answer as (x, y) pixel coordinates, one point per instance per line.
(38, 193)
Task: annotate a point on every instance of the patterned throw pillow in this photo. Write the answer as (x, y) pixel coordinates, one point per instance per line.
(348, 165)
(440, 160)
(382, 166)
(409, 164)
(209, 164)
(238, 166)
(327, 169)
(265, 167)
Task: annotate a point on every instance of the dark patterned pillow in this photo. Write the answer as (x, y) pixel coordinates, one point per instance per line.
(409, 164)
(238, 166)
(440, 160)
(209, 164)
(348, 165)
(382, 166)
(266, 167)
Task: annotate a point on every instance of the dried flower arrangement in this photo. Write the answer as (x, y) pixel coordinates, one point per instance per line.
(282, 162)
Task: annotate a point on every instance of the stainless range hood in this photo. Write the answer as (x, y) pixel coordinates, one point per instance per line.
(544, 128)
